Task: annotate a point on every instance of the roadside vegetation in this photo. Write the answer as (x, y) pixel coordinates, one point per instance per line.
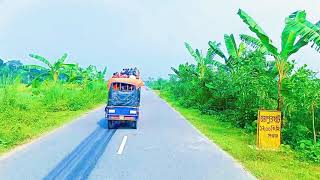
(225, 90)
(240, 143)
(35, 99)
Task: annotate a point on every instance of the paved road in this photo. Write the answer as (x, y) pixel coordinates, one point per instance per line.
(165, 146)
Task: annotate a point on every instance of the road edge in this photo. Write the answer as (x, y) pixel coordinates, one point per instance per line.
(22, 146)
(237, 163)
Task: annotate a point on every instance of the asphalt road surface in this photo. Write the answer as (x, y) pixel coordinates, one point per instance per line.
(165, 146)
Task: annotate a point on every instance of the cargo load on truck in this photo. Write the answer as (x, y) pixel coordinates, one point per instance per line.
(124, 92)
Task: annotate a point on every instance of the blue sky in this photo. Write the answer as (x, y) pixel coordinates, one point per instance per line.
(143, 33)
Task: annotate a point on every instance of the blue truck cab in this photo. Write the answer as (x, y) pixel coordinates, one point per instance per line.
(123, 103)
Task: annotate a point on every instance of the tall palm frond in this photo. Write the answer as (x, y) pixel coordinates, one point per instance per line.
(251, 41)
(306, 30)
(215, 46)
(42, 59)
(231, 45)
(60, 61)
(195, 53)
(254, 27)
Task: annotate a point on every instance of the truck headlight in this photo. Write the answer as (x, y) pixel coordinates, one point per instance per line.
(133, 112)
(112, 111)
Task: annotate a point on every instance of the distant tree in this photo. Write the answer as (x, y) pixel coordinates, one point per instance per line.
(1, 62)
(14, 64)
(10, 70)
(52, 70)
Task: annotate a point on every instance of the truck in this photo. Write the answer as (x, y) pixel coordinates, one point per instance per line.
(123, 101)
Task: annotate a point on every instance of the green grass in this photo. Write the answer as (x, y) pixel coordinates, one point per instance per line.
(53, 121)
(27, 113)
(241, 145)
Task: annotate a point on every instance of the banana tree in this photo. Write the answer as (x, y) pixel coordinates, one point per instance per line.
(255, 43)
(298, 32)
(186, 71)
(234, 52)
(203, 62)
(52, 70)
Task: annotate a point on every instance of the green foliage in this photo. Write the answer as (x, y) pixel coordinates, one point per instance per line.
(26, 111)
(254, 27)
(35, 99)
(245, 81)
(297, 33)
(157, 85)
(253, 42)
(309, 151)
(59, 71)
(9, 71)
(53, 69)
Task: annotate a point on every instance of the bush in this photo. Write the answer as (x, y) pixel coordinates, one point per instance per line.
(294, 135)
(309, 151)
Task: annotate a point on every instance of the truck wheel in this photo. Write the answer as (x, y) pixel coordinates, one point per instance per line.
(110, 124)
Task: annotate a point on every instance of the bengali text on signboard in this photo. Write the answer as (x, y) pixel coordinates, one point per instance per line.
(269, 129)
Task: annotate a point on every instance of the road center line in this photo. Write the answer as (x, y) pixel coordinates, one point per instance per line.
(123, 143)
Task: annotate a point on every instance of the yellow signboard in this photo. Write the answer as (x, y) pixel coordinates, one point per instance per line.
(269, 129)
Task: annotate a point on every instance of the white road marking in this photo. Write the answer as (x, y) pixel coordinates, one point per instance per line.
(123, 143)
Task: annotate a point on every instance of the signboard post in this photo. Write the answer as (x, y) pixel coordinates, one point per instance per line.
(269, 129)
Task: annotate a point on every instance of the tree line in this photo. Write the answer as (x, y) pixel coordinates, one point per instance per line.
(57, 71)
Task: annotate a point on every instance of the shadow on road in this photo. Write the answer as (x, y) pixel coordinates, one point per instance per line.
(121, 125)
(81, 161)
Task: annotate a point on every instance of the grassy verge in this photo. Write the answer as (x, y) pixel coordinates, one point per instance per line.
(262, 164)
(53, 121)
(27, 113)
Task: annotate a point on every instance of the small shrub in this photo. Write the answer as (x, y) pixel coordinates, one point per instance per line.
(309, 151)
